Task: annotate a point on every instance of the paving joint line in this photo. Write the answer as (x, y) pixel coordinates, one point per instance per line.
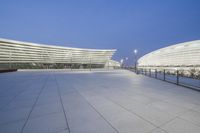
(188, 121)
(97, 111)
(158, 128)
(42, 88)
(61, 101)
(14, 97)
(132, 112)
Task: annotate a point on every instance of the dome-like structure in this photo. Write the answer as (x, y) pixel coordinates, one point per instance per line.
(180, 55)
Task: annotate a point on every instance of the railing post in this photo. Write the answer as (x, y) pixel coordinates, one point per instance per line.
(90, 64)
(164, 74)
(177, 77)
(150, 72)
(108, 65)
(156, 73)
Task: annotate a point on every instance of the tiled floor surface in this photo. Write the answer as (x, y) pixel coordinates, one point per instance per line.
(95, 102)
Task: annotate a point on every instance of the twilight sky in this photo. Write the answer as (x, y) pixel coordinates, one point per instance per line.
(120, 24)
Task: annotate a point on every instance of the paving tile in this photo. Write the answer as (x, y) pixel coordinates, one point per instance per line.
(158, 130)
(12, 127)
(192, 116)
(149, 113)
(13, 115)
(17, 104)
(53, 123)
(181, 126)
(82, 117)
(4, 101)
(196, 108)
(168, 107)
(45, 109)
(143, 99)
(48, 100)
(181, 102)
(121, 119)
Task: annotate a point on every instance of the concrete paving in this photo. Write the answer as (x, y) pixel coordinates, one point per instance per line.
(95, 102)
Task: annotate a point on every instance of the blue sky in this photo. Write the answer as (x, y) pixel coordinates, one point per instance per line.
(120, 24)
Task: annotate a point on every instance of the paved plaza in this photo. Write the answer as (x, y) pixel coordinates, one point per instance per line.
(115, 101)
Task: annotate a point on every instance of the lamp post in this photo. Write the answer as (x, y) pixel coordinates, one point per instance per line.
(90, 63)
(121, 62)
(126, 62)
(135, 53)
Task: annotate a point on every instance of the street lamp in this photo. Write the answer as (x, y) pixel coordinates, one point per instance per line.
(126, 65)
(121, 62)
(135, 53)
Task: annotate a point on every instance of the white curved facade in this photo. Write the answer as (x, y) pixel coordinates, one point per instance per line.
(180, 55)
(23, 52)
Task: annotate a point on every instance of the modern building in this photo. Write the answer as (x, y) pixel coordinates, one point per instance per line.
(184, 55)
(18, 54)
(112, 64)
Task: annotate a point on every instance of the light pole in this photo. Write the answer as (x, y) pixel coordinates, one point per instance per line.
(135, 53)
(121, 62)
(90, 63)
(126, 61)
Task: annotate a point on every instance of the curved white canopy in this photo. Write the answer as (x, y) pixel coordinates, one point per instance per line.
(183, 54)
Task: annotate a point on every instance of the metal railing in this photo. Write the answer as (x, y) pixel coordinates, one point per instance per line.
(186, 78)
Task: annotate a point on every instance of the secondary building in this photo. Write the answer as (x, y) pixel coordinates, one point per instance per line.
(179, 56)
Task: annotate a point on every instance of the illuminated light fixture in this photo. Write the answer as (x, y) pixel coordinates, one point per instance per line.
(135, 51)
